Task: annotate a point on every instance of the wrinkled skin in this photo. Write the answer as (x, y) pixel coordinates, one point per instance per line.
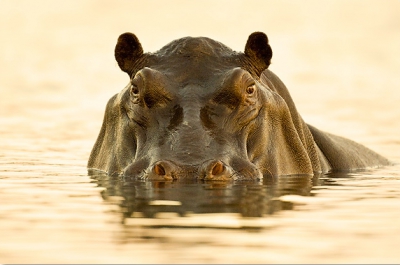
(197, 109)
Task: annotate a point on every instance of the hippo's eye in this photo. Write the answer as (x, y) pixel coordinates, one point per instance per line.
(136, 82)
(134, 89)
(250, 89)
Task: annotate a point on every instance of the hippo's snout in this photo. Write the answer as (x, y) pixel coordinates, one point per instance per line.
(168, 170)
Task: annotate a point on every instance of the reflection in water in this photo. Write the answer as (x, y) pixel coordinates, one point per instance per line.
(149, 199)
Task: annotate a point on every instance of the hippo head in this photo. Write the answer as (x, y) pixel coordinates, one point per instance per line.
(197, 109)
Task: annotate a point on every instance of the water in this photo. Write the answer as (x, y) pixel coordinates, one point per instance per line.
(54, 89)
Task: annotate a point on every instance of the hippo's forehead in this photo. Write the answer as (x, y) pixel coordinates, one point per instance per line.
(196, 46)
(194, 60)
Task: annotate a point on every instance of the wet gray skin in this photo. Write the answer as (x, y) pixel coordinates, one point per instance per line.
(197, 109)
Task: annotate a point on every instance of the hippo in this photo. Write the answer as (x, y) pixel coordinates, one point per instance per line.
(196, 109)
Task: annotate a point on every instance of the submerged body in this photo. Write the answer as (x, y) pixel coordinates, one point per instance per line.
(197, 109)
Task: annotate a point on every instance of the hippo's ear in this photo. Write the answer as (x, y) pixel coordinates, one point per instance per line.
(127, 51)
(258, 50)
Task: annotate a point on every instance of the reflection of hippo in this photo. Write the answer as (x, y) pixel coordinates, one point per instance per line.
(197, 108)
(249, 199)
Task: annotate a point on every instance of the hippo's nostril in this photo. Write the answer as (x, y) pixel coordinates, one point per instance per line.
(218, 168)
(159, 169)
(215, 170)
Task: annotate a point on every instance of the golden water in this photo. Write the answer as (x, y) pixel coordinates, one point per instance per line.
(339, 59)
